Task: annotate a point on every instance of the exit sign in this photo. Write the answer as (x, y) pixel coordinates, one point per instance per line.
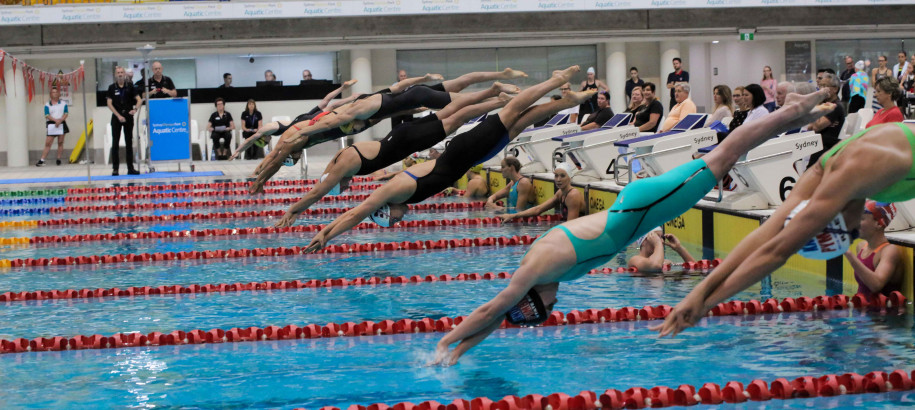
(746, 36)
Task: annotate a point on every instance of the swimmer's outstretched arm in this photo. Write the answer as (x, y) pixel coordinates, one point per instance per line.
(333, 94)
(502, 193)
(264, 132)
(673, 242)
(387, 193)
(483, 321)
(535, 210)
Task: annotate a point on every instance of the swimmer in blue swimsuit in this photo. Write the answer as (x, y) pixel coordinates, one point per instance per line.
(363, 113)
(388, 204)
(520, 190)
(569, 251)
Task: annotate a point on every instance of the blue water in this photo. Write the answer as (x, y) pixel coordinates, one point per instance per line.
(389, 369)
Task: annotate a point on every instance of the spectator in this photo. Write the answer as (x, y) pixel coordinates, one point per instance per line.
(857, 85)
(886, 92)
(129, 72)
(757, 101)
(678, 76)
(251, 121)
(636, 102)
(269, 76)
(602, 115)
(743, 109)
(55, 115)
(724, 104)
(400, 119)
(781, 91)
(401, 75)
(649, 118)
(306, 75)
(633, 81)
(684, 107)
(878, 264)
(567, 201)
(908, 84)
(519, 190)
(880, 71)
(226, 81)
(768, 85)
(902, 67)
(220, 126)
(160, 86)
(830, 125)
(845, 78)
(805, 88)
(123, 100)
(591, 83)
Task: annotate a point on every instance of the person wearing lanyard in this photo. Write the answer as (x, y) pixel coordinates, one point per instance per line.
(251, 121)
(123, 99)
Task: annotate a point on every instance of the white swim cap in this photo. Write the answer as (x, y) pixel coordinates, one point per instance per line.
(382, 216)
(333, 191)
(642, 238)
(591, 70)
(831, 242)
(568, 167)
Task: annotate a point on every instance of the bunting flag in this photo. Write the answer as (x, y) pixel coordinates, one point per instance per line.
(46, 80)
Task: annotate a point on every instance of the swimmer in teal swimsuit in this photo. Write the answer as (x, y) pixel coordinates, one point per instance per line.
(570, 250)
(876, 163)
(519, 191)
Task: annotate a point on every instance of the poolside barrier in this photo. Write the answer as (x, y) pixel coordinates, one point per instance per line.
(212, 185)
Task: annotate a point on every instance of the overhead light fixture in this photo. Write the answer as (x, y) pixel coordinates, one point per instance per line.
(714, 41)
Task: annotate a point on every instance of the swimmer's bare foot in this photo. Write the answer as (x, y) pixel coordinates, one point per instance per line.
(567, 73)
(505, 97)
(807, 108)
(579, 97)
(434, 77)
(350, 83)
(510, 74)
(506, 88)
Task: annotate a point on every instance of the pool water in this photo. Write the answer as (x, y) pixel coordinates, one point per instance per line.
(390, 369)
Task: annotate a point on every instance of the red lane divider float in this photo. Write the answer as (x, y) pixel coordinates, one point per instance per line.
(209, 204)
(256, 286)
(367, 328)
(278, 251)
(684, 395)
(199, 194)
(196, 233)
(247, 214)
(212, 185)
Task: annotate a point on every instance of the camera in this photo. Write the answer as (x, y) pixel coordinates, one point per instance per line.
(251, 60)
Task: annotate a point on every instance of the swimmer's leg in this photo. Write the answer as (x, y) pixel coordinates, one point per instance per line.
(801, 111)
(333, 94)
(512, 112)
(464, 81)
(403, 85)
(543, 111)
(452, 122)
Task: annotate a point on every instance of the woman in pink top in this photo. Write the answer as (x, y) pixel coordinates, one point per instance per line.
(878, 264)
(768, 85)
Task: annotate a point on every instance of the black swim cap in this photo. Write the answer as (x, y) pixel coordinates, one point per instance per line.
(528, 312)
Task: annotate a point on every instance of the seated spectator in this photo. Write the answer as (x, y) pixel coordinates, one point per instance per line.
(477, 188)
(684, 107)
(567, 201)
(251, 121)
(651, 251)
(781, 91)
(633, 82)
(724, 104)
(829, 125)
(857, 88)
(757, 100)
(221, 126)
(519, 190)
(878, 264)
(743, 108)
(886, 92)
(601, 115)
(226, 81)
(636, 102)
(306, 75)
(573, 111)
(649, 117)
(269, 76)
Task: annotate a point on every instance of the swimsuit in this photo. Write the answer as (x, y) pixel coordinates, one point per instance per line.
(869, 263)
(640, 207)
(411, 98)
(563, 208)
(513, 197)
(403, 141)
(466, 150)
(902, 190)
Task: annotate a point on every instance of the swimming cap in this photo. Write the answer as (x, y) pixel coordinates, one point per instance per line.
(883, 212)
(347, 128)
(477, 168)
(289, 161)
(590, 70)
(333, 191)
(382, 216)
(645, 236)
(567, 167)
(831, 242)
(260, 142)
(528, 312)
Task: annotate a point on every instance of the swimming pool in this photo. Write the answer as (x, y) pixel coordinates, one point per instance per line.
(389, 368)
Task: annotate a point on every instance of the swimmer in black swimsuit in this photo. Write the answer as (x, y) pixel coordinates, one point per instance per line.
(264, 134)
(364, 158)
(363, 113)
(387, 204)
